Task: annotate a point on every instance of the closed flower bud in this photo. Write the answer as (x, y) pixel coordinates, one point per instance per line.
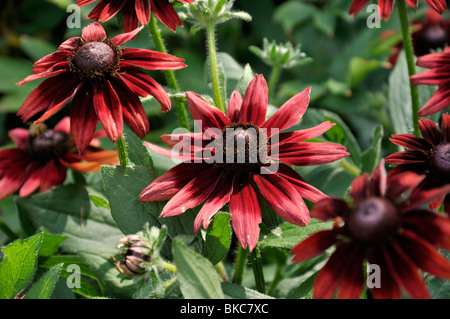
(136, 253)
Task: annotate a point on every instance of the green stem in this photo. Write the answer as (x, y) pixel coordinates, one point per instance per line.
(8, 231)
(211, 39)
(352, 169)
(122, 150)
(169, 267)
(274, 79)
(169, 74)
(255, 257)
(239, 268)
(409, 51)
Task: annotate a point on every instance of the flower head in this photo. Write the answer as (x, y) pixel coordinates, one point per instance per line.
(385, 229)
(439, 74)
(42, 157)
(135, 252)
(135, 11)
(386, 6)
(104, 81)
(429, 155)
(235, 157)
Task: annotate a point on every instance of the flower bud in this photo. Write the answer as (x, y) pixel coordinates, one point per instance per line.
(136, 253)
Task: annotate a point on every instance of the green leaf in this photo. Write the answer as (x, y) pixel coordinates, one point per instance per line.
(100, 202)
(218, 238)
(50, 243)
(372, 156)
(292, 13)
(19, 265)
(239, 292)
(123, 186)
(245, 79)
(197, 276)
(138, 154)
(360, 68)
(43, 288)
(291, 234)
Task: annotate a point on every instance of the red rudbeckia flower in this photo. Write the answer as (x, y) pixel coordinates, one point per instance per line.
(235, 157)
(42, 157)
(386, 6)
(429, 155)
(104, 81)
(439, 63)
(135, 11)
(383, 228)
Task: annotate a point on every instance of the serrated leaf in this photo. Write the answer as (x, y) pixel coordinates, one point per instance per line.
(50, 243)
(240, 292)
(197, 276)
(43, 288)
(218, 238)
(19, 265)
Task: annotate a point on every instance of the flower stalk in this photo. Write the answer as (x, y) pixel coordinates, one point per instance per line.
(122, 150)
(169, 74)
(255, 258)
(409, 52)
(213, 64)
(239, 268)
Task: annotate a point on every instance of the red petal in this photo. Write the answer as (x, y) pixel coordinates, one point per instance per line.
(110, 10)
(388, 289)
(254, 105)
(19, 136)
(360, 188)
(435, 76)
(330, 208)
(94, 32)
(308, 153)
(177, 156)
(210, 116)
(109, 111)
(402, 182)
(143, 12)
(150, 60)
(125, 37)
(290, 113)
(306, 134)
(53, 174)
(164, 11)
(386, 8)
(430, 131)
(411, 142)
(407, 157)
(14, 176)
(378, 181)
(438, 101)
(314, 245)
(357, 6)
(167, 185)
(439, 5)
(194, 193)
(283, 198)
(419, 198)
(245, 212)
(33, 179)
(445, 127)
(83, 119)
(352, 281)
(130, 20)
(234, 106)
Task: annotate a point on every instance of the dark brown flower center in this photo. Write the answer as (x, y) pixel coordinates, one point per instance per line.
(435, 35)
(46, 145)
(244, 146)
(440, 159)
(373, 220)
(95, 60)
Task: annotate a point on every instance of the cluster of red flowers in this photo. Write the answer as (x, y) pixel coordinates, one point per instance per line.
(379, 224)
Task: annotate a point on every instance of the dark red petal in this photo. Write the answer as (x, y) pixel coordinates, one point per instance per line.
(407, 157)
(141, 84)
(254, 104)
(352, 281)
(83, 119)
(130, 20)
(194, 193)
(307, 153)
(411, 142)
(289, 113)
(389, 288)
(314, 245)
(234, 106)
(360, 188)
(32, 181)
(419, 198)
(69, 45)
(143, 12)
(198, 157)
(438, 101)
(52, 62)
(210, 116)
(245, 212)
(438, 5)
(283, 198)
(303, 188)
(218, 198)
(95, 13)
(405, 272)
(357, 6)
(330, 208)
(164, 11)
(306, 134)
(434, 60)
(424, 255)
(82, 3)
(109, 111)
(386, 8)
(19, 136)
(94, 32)
(53, 174)
(110, 10)
(445, 127)
(150, 60)
(430, 131)
(402, 182)
(14, 175)
(167, 185)
(125, 37)
(435, 76)
(378, 181)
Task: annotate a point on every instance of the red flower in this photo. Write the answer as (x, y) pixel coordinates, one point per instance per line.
(235, 166)
(386, 6)
(429, 155)
(439, 63)
(42, 157)
(384, 229)
(103, 80)
(135, 11)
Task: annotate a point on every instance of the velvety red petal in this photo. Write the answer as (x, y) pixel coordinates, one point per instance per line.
(32, 181)
(210, 116)
(330, 208)
(407, 157)
(143, 12)
(83, 119)
(445, 127)
(417, 199)
(314, 245)
(402, 182)
(130, 20)
(306, 134)
(110, 10)
(164, 11)
(303, 154)
(245, 212)
(434, 60)
(283, 198)
(353, 278)
(386, 8)
(357, 6)
(290, 112)
(388, 289)
(254, 104)
(360, 188)
(198, 157)
(94, 32)
(411, 142)
(109, 110)
(234, 106)
(14, 176)
(19, 136)
(378, 181)
(430, 131)
(194, 193)
(150, 60)
(52, 174)
(167, 185)
(438, 101)
(439, 5)
(125, 37)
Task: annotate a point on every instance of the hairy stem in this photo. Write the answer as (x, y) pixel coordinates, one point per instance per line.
(274, 79)
(239, 268)
(180, 107)
(255, 257)
(122, 150)
(409, 51)
(211, 39)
